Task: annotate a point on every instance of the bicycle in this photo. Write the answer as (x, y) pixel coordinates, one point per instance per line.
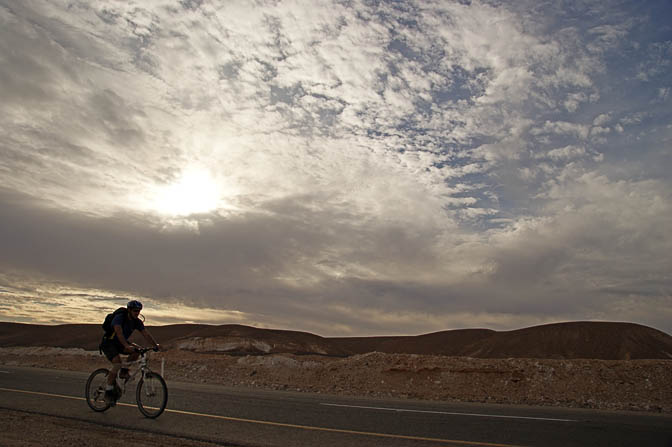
(151, 393)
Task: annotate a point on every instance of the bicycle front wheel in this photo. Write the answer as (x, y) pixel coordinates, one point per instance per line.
(152, 395)
(95, 390)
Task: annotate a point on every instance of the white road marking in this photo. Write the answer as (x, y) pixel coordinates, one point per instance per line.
(405, 410)
(5, 372)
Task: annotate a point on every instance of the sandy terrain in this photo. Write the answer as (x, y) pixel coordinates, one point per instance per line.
(640, 385)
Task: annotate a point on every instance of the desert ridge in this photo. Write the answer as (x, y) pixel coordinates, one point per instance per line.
(570, 340)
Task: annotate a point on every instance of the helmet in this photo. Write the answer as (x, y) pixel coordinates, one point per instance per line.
(134, 304)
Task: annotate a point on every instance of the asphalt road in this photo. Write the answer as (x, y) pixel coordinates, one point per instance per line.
(243, 417)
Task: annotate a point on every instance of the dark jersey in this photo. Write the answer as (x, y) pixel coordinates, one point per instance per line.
(128, 324)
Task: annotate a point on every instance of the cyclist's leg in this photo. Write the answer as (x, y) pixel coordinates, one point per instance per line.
(111, 394)
(124, 374)
(112, 349)
(116, 365)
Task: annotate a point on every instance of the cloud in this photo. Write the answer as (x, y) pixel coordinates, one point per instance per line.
(563, 128)
(368, 166)
(567, 152)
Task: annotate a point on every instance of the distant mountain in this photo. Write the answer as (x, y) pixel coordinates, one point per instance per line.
(583, 339)
(588, 340)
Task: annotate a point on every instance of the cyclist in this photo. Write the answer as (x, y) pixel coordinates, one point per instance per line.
(124, 323)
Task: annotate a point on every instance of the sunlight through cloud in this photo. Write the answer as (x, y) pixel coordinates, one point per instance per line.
(195, 192)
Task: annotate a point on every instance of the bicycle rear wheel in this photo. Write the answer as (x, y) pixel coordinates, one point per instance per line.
(152, 395)
(95, 390)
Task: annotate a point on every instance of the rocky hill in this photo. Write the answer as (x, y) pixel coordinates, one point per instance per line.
(573, 340)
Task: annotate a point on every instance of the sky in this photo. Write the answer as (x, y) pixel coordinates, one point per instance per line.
(346, 168)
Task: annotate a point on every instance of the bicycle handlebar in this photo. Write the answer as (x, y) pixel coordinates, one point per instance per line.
(145, 350)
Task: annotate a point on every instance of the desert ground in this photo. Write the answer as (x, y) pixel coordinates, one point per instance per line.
(636, 385)
(251, 358)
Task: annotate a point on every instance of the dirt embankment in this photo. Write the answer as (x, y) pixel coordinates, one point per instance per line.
(641, 385)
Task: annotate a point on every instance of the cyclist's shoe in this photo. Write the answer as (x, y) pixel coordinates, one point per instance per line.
(111, 397)
(124, 374)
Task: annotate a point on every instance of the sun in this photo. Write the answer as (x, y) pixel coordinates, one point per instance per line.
(195, 192)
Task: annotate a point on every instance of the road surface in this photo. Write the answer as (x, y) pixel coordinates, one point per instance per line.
(243, 417)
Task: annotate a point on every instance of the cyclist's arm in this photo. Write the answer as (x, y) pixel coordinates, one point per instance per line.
(145, 333)
(122, 339)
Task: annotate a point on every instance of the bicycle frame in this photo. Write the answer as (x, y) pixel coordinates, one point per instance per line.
(143, 369)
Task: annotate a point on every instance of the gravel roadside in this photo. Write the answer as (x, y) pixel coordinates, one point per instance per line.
(634, 385)
(28, 429)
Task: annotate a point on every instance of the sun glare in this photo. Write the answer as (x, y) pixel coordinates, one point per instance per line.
(195, 192)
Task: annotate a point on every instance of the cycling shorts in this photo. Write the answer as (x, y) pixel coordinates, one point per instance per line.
(111, 348)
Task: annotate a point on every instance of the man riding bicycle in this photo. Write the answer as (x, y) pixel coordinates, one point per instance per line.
(116, 343)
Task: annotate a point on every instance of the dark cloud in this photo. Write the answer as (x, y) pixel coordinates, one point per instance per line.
(123, 252)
